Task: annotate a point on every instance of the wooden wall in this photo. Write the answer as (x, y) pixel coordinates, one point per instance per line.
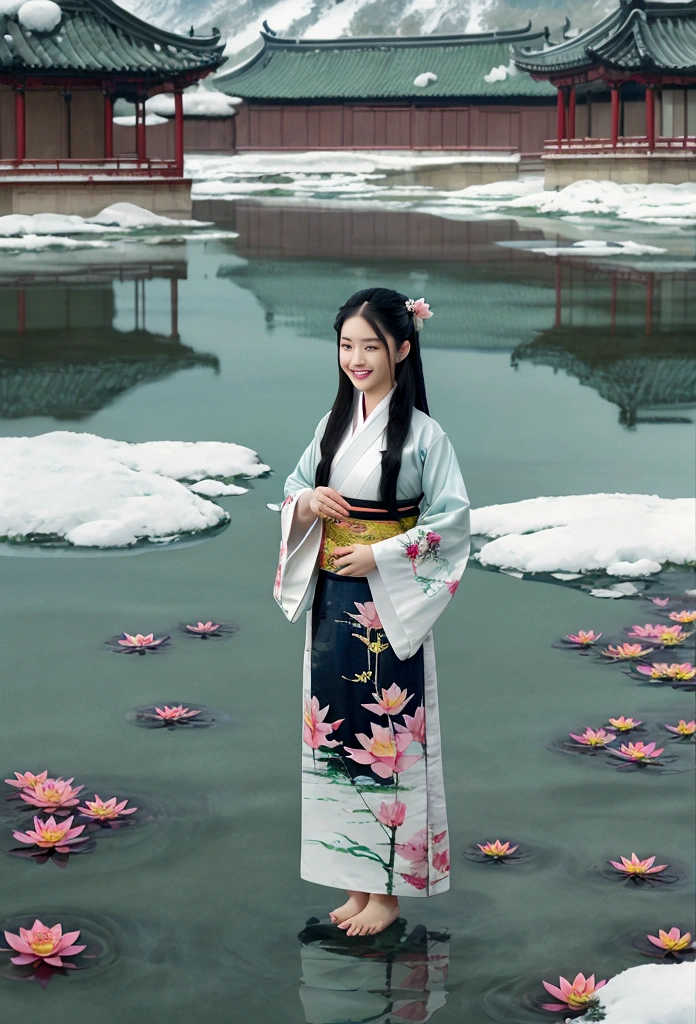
(201, 135)
(382, 126)
(46, 113)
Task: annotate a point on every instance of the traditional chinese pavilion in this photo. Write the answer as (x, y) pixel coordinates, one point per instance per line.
(58, 85)
(437, 92)
(626, 96)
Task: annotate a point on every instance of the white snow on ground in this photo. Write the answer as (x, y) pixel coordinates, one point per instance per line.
(118, 222)
(198, 102)
(96, 492)
(599, 247)
(622, 534)
(650, 994)
(40, 15)
(341, 175)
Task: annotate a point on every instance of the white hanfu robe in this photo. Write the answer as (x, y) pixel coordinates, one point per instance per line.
(416, 574)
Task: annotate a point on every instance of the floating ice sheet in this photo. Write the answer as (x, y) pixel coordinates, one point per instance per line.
(650, 994)
(91, 491)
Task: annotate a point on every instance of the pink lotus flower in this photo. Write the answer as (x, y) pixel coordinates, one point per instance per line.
(687, 615)
(42, 944)
(315, 731)
(593, 737)
(368, 616)
(412, 551)
(497, 849)
(672, 941)
(53, 794)
(638, 751)
(636, 867)
(203, 627)
(99, 810)
(392, 815)
(25, 780)
(684, 728)
(391, 702)
(139, 640)
(626, 651)
(441, 862)
(452, 585)
(583, 637)
(624, 724)
(415, 725)
(173, 714)
(50, 835)
(661, 670)
(383, 751)
(661, 602)
(670, 636)
(645, 632)
(578, 995)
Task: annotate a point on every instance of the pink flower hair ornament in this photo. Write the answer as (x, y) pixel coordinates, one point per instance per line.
(421, 311)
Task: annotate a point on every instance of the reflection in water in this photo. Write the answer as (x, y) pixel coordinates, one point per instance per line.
(398, 975)
(60, 354)
(637, 353)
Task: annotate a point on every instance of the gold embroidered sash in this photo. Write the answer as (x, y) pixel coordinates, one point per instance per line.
(339, 533)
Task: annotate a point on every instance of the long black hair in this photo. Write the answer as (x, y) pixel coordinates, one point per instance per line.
(385, 310)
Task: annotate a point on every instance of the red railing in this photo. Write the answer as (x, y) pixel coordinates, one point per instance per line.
(87, 169)
(624, 144)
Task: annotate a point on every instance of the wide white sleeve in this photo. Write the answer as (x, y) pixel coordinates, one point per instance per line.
(299, 546)
(417, 572)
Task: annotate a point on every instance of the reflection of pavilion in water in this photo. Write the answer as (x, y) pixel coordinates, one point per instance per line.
(60, 354)
(302, 265)
(398, 975)
(629, 335)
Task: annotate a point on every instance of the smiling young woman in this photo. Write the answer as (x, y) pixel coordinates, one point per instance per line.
(374, 541)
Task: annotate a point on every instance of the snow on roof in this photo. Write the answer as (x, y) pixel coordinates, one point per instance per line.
(39, 15)
(198, 102)
(500, 73)
(421, 81)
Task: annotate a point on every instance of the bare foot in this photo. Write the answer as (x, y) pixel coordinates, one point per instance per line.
(380, 912)
(356, 902)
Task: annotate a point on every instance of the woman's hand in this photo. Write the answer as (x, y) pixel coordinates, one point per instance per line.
(355, 560)
(327, 503)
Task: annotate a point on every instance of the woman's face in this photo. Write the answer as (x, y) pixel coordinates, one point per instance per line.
(364, 358)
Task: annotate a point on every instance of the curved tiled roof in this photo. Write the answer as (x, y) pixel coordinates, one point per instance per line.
(99, 36)
(640, 35)
(382, 68)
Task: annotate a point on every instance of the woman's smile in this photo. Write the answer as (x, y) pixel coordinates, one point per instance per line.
(361, 374)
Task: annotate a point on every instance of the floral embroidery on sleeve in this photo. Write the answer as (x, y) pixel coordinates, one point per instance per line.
(425, 549)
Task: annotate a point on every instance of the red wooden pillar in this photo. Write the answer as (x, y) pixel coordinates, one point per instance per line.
(108, 126)
(179, 129)
(571, 113)
(650, 117)
(614, 115)
(20, 125)
(141, 144)
(560, 115)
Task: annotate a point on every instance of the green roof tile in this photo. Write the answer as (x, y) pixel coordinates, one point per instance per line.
(381, 68)
(640, 35)
(98, 35)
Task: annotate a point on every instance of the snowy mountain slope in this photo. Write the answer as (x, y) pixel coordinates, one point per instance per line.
(241, 20)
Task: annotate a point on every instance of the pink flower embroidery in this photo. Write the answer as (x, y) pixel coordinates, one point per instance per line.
(315, 731)
(392, 701)
(415, 881)
(412, 551)
(415, 725)
(415, 849)
(441, 862)
(432, 539)
(383, 751)
(452, 585)
(393, 814)
(368, 616)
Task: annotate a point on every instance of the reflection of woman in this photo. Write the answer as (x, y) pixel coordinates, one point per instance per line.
(374, 540)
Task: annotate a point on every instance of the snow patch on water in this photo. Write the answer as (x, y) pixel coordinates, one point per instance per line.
(623, 534)
(92, 491)
(650, 994)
